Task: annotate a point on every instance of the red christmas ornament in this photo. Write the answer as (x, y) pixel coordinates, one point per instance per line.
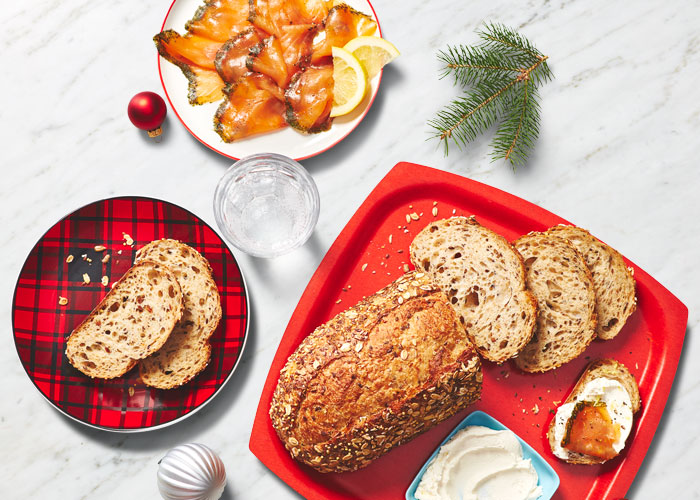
(147, 111)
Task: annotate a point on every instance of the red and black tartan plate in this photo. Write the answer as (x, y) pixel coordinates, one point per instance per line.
(41, 325)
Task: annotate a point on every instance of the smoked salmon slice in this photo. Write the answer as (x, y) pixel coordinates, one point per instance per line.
(267, 58)
(188, 49)
(342, 24)
(309, 99)
(204, 84)
(231, 58)
(272, 15)
(251, 108)
(592, 432)
(219, 20)
(296, 42)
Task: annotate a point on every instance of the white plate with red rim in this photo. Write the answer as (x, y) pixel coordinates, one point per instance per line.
(198, 120)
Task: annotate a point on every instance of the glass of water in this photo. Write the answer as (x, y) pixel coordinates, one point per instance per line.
(266, 205)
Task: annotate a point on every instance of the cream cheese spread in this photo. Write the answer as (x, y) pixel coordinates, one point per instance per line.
(479, 463)
(603, 390)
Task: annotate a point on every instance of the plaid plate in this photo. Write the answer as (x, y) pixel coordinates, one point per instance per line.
(41, 326)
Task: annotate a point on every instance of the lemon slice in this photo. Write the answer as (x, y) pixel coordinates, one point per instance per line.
(350, 82)
(373, 52)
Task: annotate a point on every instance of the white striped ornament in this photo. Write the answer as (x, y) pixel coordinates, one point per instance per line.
(191, 472)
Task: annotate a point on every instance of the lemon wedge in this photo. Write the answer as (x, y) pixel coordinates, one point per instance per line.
(350, 82)
(373, 52)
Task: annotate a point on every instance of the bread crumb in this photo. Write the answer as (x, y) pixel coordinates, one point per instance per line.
(69, 259)
(414, 216)
(131, 390)
(435, 211)
(119, 252)
(535, 409)
(338, 301)
(62, 301)
(405, 268)
(391, 237)
(128, 240)
(636, 365)
(364, 266)
(410, 206)
(399, 251)
(105, 280)
(86, 278)
(374, 272)
(100, 248)
(434, 203)
(454, 211)
(408, 219)
(84, 256)
(105, 259)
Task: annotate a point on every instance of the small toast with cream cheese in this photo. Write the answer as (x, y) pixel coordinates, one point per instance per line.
(593, 424)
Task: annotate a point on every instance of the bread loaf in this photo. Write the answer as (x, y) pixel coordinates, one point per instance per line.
(612, 279)
(562, 284)
(375, 376)
(131, 322)
(187, 351)
(484, 278)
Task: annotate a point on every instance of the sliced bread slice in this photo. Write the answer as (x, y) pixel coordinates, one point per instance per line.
(187, 351)
(562, 284)
(484, 278)
(131, 322)
(612, 279)
(601, 368)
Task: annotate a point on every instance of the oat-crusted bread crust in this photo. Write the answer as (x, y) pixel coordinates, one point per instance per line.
(601, 368)
(484, 278)
(375, 376)
(187, 351)
(131, 322)
(558, 276)
(613, 281)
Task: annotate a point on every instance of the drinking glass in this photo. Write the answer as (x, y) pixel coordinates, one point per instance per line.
(266, 205)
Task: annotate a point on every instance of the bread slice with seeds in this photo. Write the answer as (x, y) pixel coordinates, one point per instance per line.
(562, 284)
(131, 322)
(484, 278)
(601, 368)
(187, 351)
(612, 279)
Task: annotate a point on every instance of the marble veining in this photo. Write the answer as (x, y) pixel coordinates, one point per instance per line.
(620, 129)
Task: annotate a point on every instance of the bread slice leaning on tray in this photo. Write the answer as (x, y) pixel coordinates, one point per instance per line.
(484, 279)
(612, 279)
(559, 278)
(593, 432)
(374, 377)
(187, 351)
(131, 322)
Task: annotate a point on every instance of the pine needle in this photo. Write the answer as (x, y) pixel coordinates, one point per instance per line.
(502, 76)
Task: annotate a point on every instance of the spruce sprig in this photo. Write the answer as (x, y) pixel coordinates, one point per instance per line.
(502, 75)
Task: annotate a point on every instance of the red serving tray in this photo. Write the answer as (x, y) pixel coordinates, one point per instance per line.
(649, 345)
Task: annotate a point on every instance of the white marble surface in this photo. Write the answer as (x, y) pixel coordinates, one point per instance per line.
(617, 154)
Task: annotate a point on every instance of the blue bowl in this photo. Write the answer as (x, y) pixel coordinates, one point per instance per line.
(548, 479)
